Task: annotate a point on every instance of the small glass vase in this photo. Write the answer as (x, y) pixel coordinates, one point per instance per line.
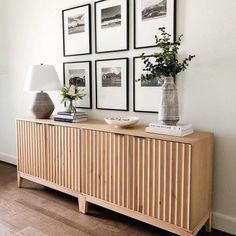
(71, 107)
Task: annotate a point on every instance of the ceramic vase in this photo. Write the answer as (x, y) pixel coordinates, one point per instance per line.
(169, 108)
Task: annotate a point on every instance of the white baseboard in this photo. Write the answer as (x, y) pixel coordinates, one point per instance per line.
(224, 223)
(8, 158)
(220, 221)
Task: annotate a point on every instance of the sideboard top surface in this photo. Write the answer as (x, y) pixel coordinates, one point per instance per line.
(138, 130)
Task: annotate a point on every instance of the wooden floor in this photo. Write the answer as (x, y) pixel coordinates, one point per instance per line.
(38, 211)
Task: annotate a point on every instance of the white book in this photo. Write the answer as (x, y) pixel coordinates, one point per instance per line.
(169, 132)
(71, 117)
(172, 127)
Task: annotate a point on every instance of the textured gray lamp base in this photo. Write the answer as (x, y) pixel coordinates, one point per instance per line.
(43, 106)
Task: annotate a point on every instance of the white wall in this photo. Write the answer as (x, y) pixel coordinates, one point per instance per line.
(33, 34)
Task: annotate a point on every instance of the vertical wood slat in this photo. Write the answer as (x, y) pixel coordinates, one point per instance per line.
(189, 185)
(134, 188)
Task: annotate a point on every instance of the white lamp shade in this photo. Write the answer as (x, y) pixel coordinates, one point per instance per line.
(42, 78)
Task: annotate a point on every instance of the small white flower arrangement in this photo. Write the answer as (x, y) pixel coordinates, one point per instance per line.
(71, 93)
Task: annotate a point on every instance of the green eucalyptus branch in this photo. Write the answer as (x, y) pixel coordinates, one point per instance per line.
(166, 62)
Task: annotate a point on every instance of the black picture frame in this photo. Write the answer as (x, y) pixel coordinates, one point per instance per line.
(126, 92)
(134, 88)
(97, 51)
(90, 80)
(89, 40)
(173, 31)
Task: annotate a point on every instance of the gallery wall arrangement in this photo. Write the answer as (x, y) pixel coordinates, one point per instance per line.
(112, 31)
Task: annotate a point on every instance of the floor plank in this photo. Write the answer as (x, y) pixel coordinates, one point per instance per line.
(35, 210)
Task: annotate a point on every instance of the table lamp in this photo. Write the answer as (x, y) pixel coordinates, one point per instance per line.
(42, 78)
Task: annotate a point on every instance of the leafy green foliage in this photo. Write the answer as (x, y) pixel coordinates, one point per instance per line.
(166, 62)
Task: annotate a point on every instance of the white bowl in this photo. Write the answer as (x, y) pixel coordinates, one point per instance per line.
(119, 122)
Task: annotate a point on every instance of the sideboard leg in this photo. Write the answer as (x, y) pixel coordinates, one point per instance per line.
(83, 204)
(19, 180)
(208, 224)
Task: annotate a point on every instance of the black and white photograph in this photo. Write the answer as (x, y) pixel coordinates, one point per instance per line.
(112, 84)
(111, 26)
(111, 77)
(79, 74)
(76, 23)
(149, 16)
(153, 9)
(146, 93)
(111, 17)
(77, 77)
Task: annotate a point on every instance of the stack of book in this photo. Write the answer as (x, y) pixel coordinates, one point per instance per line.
(72, 117)
(178, 130)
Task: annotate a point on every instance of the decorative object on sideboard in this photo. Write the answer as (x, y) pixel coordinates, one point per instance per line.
(150, 15)
(71, 117)
(165, 68)
(71, 94)
(111, 26)
(79, 74)
(121, 122)
(178, 130)
(42, 78)
(112, 84)
(76, 24)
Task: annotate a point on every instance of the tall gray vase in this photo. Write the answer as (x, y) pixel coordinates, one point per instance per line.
(169, 108)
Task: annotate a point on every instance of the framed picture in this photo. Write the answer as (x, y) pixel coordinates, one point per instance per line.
(111, 26)
(112, 84)
(79, 74)
(76, 24)
(147, 94)
(149, 16)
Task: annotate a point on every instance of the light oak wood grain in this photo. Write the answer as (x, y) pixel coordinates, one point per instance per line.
(161, 180)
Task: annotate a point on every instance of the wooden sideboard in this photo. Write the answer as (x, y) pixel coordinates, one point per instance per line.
(165, 181)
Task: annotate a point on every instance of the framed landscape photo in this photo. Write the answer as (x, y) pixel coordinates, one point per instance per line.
(76, 24)
(79, 74)
(111, 26)
(111, 78)
(147, 94)
(149, 16)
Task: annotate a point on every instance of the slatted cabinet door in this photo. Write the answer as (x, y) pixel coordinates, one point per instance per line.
(63, 152)
(104, 156)
(31, 148)
(159, 179)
